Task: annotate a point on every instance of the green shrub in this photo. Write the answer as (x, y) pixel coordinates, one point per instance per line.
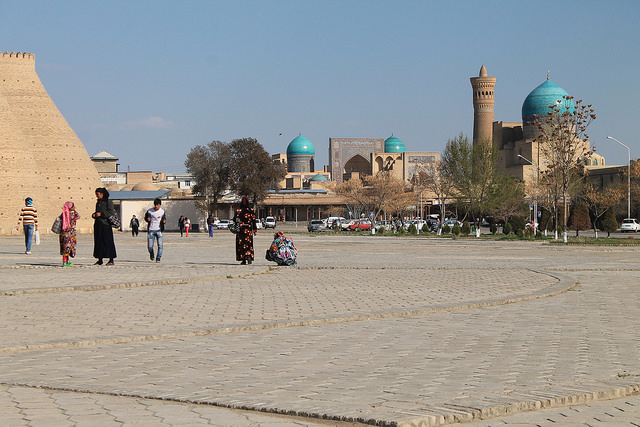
(413, 229)
(425, 228)
(506, 229)
(400, 230)
(493, 228)
(446, 229)
(466, 228)
(380, 230)
(456, 229)
(520, 233)
(517, 223)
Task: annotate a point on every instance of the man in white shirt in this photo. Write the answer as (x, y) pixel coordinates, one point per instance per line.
(156, 219)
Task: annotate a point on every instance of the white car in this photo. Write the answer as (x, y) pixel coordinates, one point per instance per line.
(269, 222)
(630, 224)
(223, 224)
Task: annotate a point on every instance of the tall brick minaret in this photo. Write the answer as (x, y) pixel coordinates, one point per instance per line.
(483, 103)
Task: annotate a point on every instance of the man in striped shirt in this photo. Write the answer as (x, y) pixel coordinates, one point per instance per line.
(29, 218)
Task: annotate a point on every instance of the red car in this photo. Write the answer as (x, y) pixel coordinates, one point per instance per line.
(361, 224)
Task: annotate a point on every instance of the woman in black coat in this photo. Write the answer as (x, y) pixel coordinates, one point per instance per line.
(103, 245)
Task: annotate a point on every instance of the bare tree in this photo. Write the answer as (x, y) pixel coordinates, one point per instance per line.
(562, 137)
(600, 201)
(209, 166)
(376, 194)
(253, 172)
(432, 179)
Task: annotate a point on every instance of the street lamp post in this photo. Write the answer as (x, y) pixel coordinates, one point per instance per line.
(535, 194)
(628, 176)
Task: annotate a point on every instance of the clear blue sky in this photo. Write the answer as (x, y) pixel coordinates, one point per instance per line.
(148, 80)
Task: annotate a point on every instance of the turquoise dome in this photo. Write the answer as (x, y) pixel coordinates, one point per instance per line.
(539, 100)
(300, 146)
(318, 177)
(394, 145)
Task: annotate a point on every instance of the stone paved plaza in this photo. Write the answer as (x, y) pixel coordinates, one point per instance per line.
(367, 329)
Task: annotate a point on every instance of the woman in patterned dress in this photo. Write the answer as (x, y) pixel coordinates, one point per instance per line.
(245, 218)
(68, 238)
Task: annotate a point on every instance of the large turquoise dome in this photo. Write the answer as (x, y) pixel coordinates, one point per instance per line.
(539, 100)
(300, 146)
(394, 145)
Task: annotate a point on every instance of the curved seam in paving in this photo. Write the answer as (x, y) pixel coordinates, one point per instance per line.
(563, 285)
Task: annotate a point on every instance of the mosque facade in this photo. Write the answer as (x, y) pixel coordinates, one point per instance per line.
(355, 157)
(515, 139)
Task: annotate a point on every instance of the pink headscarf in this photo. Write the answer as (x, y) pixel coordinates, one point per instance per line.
(66, 223)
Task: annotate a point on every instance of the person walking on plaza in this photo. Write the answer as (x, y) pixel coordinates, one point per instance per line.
(68, 237)
(29, 218)
(103, 245)
(181, 224)
(245, 219)
(156, 219)
(135, 226)
(187, 226)
(210, 225)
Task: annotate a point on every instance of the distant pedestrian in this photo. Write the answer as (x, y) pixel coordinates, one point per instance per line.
(29, 218)
(210, 225)
(103, 245)
(187, 226)
(156, 219)
(135, 226)
(68, 237)
(245, 219)
(181, 224)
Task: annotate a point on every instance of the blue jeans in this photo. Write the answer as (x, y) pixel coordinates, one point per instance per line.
(151, 237)
(211, 231)
(28, 236)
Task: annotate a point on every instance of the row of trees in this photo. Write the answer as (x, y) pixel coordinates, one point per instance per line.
(243, 165)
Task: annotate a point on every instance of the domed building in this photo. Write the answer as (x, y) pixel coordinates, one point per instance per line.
(515, 139)
(354, 157)
(300, 155)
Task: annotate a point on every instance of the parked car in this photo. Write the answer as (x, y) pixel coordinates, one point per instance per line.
(630, 224)
(258, 224)
(388, 225)
(417, 222)
(361, 224)
(451, 222)
(316, 225)
(332, 221)
(223, 224)
(433, 224)
(346, 225)
(269, 222)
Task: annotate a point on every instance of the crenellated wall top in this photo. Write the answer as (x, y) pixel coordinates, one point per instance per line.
(18, 55)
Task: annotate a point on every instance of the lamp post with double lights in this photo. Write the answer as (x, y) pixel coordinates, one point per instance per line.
(535, 194)
(628, 176)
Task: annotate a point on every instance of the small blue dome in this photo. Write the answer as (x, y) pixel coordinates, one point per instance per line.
(539, 100)
(300, 145)
(394, 145)
(318, 178)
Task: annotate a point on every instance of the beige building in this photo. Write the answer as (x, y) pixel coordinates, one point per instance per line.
(515, 139)
(41, 156)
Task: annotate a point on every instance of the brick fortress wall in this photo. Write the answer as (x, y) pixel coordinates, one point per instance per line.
(40, 155)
